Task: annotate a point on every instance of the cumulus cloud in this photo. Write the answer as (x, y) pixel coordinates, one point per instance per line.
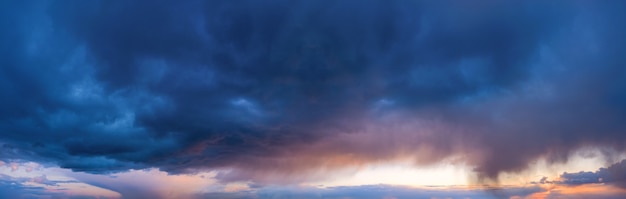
(290, 88)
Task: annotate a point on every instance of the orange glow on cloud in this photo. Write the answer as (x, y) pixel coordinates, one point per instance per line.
(589, 189)
(403, 172)
(579, 191)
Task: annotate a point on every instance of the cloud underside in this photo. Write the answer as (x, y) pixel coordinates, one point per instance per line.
(289, 89)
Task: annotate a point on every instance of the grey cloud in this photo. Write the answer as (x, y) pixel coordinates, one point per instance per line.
(614, 174)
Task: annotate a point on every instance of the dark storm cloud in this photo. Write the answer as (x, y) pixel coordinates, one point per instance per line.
(104, 86)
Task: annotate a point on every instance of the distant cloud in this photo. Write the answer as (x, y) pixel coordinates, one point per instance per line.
(377, 192)
(614, 174)
(11, 187)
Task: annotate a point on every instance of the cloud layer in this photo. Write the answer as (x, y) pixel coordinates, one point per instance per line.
(290, 88)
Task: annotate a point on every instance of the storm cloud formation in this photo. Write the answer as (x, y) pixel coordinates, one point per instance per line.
(284, 87)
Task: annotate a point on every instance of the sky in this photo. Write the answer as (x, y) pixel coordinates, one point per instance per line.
(312, 99)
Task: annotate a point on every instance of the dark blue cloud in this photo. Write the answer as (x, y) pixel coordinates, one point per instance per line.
(103, 86)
